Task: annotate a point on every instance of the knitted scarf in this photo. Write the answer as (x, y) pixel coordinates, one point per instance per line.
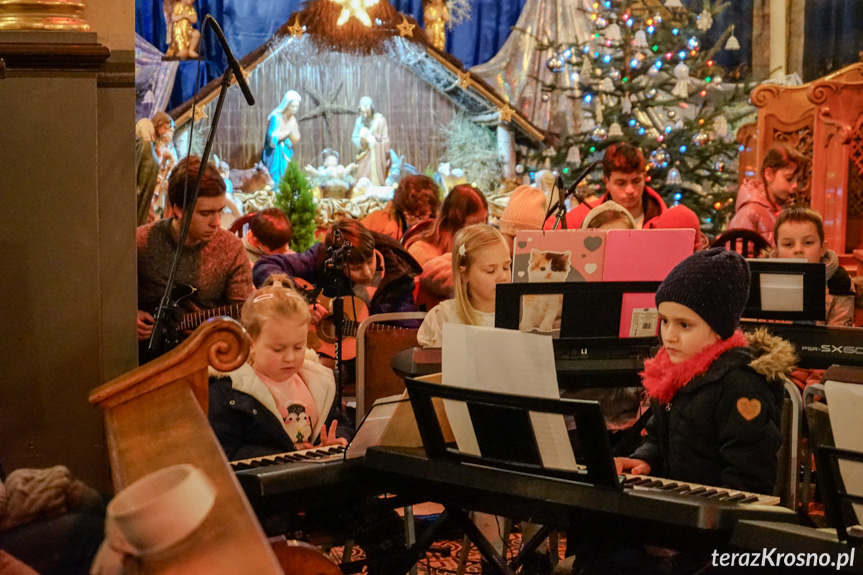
(662, 379)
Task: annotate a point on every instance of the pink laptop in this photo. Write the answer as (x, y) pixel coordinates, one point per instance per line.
(580, 253)
(645, 255)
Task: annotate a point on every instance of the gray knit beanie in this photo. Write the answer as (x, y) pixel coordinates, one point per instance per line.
(714, 284)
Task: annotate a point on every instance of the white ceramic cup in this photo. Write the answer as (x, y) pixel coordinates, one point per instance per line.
(162, 508)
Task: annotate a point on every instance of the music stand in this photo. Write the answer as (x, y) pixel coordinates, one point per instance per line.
(786, 290)
(494, 415)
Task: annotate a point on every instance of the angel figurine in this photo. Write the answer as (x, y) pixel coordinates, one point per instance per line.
(436, 15)
(180, 15)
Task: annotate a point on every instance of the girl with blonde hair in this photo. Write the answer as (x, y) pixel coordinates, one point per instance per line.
(480, 260)
(278, 401)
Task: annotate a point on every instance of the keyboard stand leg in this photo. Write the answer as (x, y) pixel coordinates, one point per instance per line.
(486, 549)
(416, 551)
(530, 546)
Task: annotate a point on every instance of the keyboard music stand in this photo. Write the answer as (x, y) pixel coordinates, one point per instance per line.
(506, 438)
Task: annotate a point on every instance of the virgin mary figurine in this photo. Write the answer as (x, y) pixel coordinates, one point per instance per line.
(283, 132)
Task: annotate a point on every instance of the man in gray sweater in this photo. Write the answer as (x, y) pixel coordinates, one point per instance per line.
(213, 260)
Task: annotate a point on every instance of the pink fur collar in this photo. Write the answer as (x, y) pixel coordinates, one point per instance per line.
(662, 379)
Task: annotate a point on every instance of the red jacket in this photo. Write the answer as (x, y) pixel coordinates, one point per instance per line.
(650, 200)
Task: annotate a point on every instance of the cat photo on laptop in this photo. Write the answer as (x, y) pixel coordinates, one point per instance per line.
(542, 313)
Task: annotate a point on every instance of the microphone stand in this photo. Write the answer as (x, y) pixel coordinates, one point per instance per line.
(561, 205)
(161, 332)
(561, 201)
(335, 268)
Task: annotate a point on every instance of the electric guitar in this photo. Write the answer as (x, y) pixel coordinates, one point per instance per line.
(322, 337)
(178, 324)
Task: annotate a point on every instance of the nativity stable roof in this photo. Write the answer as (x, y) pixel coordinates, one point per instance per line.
(317, 23)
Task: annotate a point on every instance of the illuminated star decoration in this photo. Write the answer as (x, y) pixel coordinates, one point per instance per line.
(356, 9)
(406, 28)
(326, 106)
(506, 113)
(297, 29)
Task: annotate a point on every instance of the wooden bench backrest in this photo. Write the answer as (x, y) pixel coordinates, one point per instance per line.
(837, 162)
(156, 416)
(787, 115)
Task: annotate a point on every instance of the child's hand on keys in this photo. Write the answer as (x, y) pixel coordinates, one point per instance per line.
(329, 438)
(633, 466)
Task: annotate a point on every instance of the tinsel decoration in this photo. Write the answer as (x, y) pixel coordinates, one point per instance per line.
(640, 41)
(574, 155)
(673, 4)
(612, 33)
(704, 20)
(732, 44)
(674, 178)
(459, 11)
(681, 88)
(720, 126)
(614, 131)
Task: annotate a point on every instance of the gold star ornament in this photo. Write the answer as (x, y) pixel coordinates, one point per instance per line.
(406, 28)
(464, 79)
(355, 9)
(506, 113)
(296, 29)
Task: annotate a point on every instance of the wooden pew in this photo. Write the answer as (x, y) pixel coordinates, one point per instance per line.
(837, 161)
(156, 416)
(787, 115)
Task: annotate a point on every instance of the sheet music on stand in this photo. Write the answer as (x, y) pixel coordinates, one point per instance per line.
(473, 358)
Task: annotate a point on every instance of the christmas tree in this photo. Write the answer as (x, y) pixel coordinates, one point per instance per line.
(646, 77)
(295, 198)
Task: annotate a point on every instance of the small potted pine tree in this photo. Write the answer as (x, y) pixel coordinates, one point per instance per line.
(294, 197)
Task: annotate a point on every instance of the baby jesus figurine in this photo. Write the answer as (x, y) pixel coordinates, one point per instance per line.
(334, 179)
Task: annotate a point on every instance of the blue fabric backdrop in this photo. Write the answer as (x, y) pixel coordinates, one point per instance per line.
(248, 24)
(834, 32)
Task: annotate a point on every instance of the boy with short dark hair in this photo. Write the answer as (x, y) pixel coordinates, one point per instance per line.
(799, 233)
(623, 174)
(212, 259)
(270, 232)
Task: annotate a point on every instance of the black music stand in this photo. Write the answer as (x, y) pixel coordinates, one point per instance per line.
(507, 441)
(811, 279)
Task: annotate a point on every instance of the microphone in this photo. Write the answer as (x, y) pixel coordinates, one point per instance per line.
(232, 62)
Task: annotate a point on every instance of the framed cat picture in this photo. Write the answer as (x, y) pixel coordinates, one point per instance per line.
(559, 256)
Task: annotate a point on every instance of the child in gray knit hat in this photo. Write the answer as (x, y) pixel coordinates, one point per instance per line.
(715, 411)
